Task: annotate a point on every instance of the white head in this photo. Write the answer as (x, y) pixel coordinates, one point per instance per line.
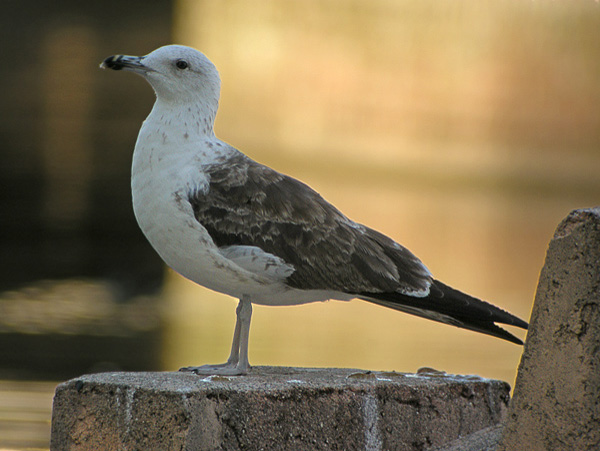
(178, 74)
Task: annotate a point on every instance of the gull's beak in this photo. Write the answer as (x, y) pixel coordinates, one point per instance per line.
(132, 63)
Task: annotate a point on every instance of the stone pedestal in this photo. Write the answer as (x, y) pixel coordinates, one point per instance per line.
(272, 408)
(556, 403)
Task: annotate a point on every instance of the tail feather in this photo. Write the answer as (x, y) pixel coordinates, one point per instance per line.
(450, 306)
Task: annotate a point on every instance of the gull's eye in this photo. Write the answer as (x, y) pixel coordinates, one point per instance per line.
(181, 64)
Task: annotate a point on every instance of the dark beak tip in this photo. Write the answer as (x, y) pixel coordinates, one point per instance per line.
(112, 62)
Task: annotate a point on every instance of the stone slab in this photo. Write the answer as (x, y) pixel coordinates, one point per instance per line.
(485, 440)
(273, 408)
(556, 402)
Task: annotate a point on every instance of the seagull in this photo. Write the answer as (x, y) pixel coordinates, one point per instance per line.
(237, 227)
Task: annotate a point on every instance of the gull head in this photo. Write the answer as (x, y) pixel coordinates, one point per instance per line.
(178, 74)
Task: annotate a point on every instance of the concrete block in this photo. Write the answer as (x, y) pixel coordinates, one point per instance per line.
(485, 440)
(273, 408)
(556, 402)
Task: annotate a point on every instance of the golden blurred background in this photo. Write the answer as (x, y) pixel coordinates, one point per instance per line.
(464, 130)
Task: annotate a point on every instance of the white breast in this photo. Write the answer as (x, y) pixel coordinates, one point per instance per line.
(167, 166)
(165, 170)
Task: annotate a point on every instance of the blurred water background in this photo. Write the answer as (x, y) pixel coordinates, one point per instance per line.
(465, 130)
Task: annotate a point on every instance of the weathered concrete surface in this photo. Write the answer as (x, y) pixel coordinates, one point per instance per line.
(272, 409)
(556, 402)
(485, 440)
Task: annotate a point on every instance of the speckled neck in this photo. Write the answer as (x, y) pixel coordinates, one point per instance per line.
(189, 121)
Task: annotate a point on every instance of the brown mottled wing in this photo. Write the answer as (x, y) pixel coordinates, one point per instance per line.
(250, 204)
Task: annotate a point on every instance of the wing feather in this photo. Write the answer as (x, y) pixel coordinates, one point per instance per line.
(248, 204)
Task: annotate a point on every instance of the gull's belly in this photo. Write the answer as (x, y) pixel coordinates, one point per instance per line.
(167, 221)
(161, 183)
